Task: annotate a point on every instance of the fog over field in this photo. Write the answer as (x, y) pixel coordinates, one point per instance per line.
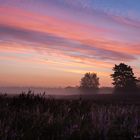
(52, 91)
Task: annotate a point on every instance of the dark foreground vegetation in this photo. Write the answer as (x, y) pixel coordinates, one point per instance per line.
(35, 117)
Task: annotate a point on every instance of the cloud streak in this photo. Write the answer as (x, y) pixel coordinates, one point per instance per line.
(40, 40)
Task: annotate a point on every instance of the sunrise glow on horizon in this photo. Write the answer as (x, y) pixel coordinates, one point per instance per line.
(51, 43)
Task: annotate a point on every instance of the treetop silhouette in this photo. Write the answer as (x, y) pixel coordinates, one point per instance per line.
(89, 81)
(124, 78)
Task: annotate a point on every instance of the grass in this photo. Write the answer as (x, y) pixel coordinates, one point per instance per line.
(35, 117)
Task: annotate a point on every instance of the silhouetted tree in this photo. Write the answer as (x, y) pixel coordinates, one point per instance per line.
(124, 78)
(89, 81)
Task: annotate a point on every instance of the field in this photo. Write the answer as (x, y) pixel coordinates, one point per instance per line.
(37, 117)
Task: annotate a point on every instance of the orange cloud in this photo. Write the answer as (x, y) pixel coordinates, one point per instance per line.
(128, 48)
(70, 29)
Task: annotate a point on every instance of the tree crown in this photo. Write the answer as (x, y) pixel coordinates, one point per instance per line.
(89, 81)
(123, 77)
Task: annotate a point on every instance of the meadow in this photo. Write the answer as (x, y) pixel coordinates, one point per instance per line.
(28, 116)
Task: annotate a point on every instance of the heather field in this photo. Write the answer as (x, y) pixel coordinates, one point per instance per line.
(37, 117)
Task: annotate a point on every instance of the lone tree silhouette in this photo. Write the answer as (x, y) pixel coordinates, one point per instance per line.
(124, 78)
(89, 81)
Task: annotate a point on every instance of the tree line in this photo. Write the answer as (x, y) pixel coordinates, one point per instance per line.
(123, 79)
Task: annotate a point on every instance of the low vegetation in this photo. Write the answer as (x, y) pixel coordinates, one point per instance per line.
(37, 117)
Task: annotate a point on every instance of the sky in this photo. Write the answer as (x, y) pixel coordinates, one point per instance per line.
(52, 43)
